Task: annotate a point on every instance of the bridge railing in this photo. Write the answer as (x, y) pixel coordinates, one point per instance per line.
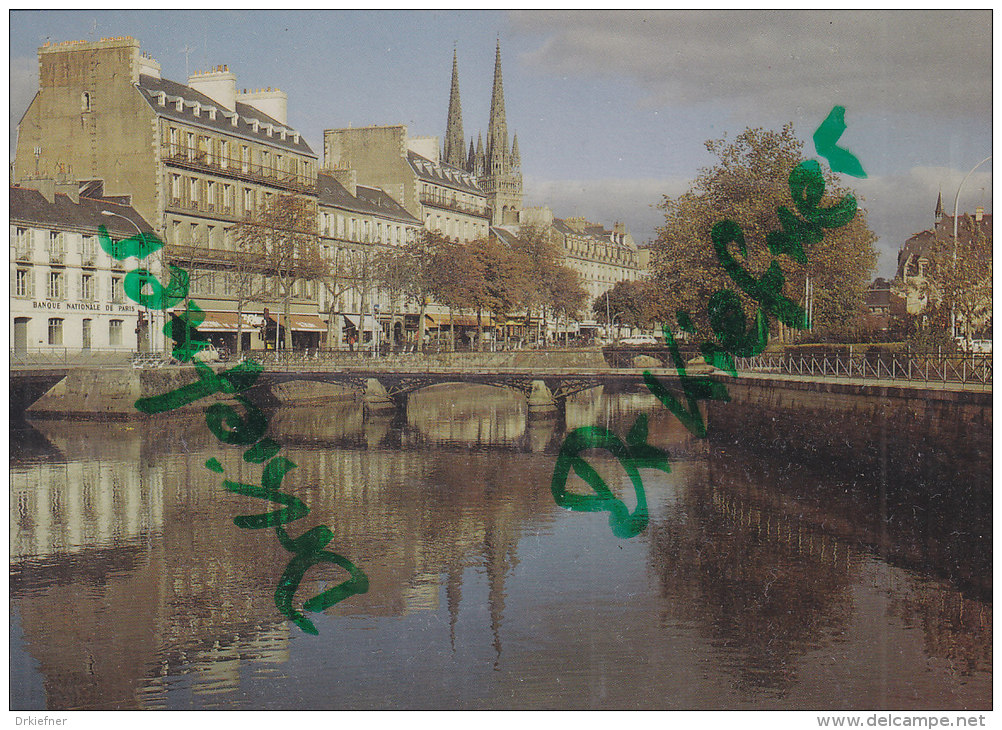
(929, 368)
(55, 356)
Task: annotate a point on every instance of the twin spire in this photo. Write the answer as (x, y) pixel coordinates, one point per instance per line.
(496, 167)
(480, 159)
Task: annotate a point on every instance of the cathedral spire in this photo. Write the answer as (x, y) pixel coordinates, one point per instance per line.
(497, 126)
(939, 206)
(454, 152)
(516, 158)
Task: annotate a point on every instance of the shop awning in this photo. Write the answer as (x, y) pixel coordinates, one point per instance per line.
(461, 320)
(219, 322)
(370, 322)
(306, 323)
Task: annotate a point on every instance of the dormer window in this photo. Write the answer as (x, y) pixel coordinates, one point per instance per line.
(212, 113)
(179, 105)
(282, 134)
(268, 129)
(295, 137)
(196, 108)
(254, 125)
(233, 119)
(162, 99)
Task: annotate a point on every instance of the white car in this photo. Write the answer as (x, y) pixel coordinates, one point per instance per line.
(640, 340)
(209, 353)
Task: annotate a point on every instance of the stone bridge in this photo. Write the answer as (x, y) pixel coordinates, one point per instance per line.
(545, 390)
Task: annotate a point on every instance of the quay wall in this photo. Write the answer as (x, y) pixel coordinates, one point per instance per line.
(925, 432)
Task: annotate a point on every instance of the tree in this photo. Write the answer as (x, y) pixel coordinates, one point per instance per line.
(568, 294)
(457, 280)
(421, 254)
(350, 269)
(504, 276)
(958, 282)
(626, 298)
(749, 182)
(542, 263)
(283, 236)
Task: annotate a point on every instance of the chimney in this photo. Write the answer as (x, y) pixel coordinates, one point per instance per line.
(979, 213)
(219, 84)
(46, 187)
(69, 188)
(347, 177)
(148, 65)
(269, 101)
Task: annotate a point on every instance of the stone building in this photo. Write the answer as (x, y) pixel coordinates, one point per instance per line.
(599, 255)
(916, 261)
(65, 291)
(446, 199)
(195, 158)
(356, 221)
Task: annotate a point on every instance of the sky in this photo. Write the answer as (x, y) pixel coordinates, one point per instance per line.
(611, 108)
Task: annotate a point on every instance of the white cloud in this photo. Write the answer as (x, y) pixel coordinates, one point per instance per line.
(926, 62)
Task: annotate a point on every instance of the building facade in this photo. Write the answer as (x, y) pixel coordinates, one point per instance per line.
(66, 292)
(916, 263)
(196, 158)
(356, 222)
(444, 198)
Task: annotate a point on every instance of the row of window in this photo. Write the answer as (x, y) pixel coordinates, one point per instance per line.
(206, 282)
(460, 230)
(115, 329)
(56, 285)
(445, 196)
(55, 246)
(231, 155)
(365, 231)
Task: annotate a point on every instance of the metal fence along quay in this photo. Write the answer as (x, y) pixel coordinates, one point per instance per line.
(929, 368)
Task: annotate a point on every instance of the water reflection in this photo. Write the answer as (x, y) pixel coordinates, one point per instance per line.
(135, 590)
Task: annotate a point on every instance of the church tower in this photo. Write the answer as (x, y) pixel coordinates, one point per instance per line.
(454, 153)
(496, 166)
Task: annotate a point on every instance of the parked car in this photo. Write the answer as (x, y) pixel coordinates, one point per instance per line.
(209, 353)
(639, 340)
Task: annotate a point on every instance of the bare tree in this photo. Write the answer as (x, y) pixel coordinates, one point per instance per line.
(283, 237)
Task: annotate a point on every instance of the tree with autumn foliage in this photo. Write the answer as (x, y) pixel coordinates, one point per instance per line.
(750, 181)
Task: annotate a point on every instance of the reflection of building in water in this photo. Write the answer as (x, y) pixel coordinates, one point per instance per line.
(468, 414)
(198, 598)
(73, 506)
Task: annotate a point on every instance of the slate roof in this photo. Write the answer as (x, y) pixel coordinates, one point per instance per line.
(442, 174)
(150, 87)
(373, 201)
(30, 206)
(921, 243)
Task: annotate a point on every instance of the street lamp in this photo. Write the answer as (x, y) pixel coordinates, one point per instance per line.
(956, 209)
(146, 314)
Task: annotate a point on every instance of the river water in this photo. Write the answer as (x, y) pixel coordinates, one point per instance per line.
(758, 584)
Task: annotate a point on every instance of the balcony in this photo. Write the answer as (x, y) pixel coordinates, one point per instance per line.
(23, 255)
(448, 204)
(57, 257)
(239, 169)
